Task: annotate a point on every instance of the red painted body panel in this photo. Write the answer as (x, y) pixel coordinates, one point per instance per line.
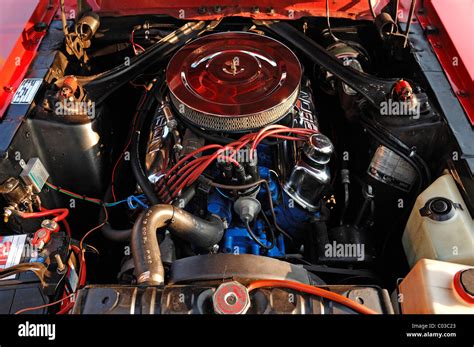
(24, 49)
(451, 35)
(12, 23)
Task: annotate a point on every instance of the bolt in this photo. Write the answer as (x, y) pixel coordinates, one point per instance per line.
(49, 224)
(255, 9)
(462, 93)
(217, 9)
(6, 214)
(40, 27)
(61, 266)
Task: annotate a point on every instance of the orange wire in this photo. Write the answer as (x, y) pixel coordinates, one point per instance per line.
(43, 306)
(106, 218)
(306, 288)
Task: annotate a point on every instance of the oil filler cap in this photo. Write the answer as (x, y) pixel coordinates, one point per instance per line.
(231, 298)
(439, 209)
(464, 285)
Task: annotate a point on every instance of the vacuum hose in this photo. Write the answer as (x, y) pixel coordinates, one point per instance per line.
(144, 242)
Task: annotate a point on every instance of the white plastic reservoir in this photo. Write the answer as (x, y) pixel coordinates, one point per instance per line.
(436, 287)
(440, 226)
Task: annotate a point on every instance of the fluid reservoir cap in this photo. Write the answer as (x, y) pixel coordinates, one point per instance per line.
(464, 285)
(318, 149)
(439, 209)
(231, 298)
(440, 206)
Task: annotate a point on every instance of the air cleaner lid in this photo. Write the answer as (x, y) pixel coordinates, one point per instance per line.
(234, 81)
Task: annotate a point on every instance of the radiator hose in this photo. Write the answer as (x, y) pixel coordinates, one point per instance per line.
(145, 249)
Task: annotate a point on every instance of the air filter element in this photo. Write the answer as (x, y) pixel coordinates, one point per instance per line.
(233, 81)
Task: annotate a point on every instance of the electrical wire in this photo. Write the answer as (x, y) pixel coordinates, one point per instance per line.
(58, 213)
(106, 218)
(45, 305)
(74, 195)
(79, 251)
(269, 195)
(68, 307)
(270, 228)
(306, 288)
(256, 239)
(67, 227)
(129, 141)
(98, 202)
(134, 201)
(184, 173)
(134, 44)
(39, 269)
(81, 280)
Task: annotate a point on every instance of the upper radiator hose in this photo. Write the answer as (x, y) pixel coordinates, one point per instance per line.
(144, 242)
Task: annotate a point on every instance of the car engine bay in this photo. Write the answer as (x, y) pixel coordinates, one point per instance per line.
(226, 166)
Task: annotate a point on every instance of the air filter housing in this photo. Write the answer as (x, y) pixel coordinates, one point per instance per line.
(233, 81)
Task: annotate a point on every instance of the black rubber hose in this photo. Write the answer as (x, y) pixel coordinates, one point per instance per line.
(145, 248)
(374, 89)
(123, 235)
(112, 234)
(102, 85)
(135, 162)
(117, 235)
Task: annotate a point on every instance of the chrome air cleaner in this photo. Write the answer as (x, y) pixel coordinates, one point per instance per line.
(233, 81)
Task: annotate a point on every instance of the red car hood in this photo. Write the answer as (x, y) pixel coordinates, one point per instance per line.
(268, 9)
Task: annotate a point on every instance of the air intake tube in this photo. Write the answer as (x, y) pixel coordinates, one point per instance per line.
(145, 248)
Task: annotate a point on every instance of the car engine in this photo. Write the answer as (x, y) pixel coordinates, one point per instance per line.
(224, 166)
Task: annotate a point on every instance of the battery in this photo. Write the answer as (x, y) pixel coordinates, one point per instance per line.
(25, 289)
